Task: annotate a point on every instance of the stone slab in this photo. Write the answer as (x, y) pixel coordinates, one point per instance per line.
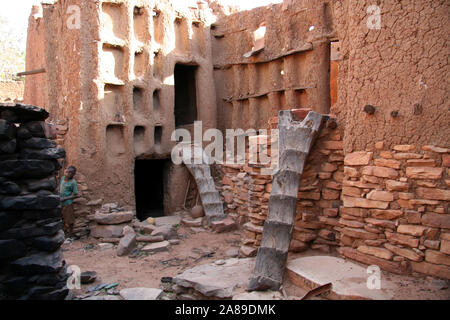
(167, 220)
(106, 297)
(219, 281)
(141, 294)
(156, 247)
(259, 295)
(349, 280)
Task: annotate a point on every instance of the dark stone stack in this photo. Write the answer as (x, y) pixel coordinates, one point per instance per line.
(31, 263)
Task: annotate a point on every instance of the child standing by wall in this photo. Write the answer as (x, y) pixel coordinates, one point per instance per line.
(68, 191)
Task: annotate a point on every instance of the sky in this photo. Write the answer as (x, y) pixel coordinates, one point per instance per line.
(18, 11)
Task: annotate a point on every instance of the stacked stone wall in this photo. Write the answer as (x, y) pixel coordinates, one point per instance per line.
(31, 263)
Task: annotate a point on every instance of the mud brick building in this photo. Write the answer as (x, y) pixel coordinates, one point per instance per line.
(375, 186)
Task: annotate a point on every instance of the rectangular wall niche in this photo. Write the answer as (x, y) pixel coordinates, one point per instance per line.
(138, 99)
(185, 94)
(115, 141)
(112, 23)
(139, 140)
(158, 135)
(156, 105)
(112, 62)
(149, 184)
(140, 24)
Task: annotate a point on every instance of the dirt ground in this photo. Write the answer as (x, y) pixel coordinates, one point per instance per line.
(196, 249)
(147, 270)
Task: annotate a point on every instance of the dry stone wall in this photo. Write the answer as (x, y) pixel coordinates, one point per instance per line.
(246, 195)
(383, 206)
(31, 263)
(395, 208)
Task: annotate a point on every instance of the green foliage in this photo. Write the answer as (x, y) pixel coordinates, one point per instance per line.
(12, 55)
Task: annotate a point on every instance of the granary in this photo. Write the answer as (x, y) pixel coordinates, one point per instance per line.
(352, 100)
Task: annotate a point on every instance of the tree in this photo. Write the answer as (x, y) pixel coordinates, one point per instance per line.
(12, 55)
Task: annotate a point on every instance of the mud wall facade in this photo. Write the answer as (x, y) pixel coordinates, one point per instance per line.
(36, 85)
(111, 87)
(291, 71)
(401, 69)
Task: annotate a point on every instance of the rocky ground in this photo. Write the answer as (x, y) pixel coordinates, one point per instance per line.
(146, 270)
(195, 249)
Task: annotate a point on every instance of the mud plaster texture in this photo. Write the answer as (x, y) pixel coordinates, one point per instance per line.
(36, 89)
(401, 67)
(111, 83)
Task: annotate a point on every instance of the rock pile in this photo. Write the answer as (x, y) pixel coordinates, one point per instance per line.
(110, 221)
(31, 264)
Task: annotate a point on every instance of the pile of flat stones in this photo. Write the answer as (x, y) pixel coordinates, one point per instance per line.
(31, 263)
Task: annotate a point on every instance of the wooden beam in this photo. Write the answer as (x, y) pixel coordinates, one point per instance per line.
(36, 71)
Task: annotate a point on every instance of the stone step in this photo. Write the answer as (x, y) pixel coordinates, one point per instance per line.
(348, 279)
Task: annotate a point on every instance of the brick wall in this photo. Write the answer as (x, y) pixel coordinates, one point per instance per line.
(383, 207)
(395, 208)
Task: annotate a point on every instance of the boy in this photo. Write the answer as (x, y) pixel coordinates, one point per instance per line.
(68, 191)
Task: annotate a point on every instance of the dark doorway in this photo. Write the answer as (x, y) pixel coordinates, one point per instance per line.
(185, 95)
(149, 188)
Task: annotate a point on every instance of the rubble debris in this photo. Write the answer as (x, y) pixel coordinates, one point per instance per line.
(107, 231)
(156, 247)
(151, 238)
(232, 253)
(212, 280)
(166, 231)
(105, 246)
(127, 243)
(192, 222)
(114, 218)
(226, 225)
(88, 277)
(172, 221)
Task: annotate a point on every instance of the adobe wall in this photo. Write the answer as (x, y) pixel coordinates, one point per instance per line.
(111, 84)
(292, 71)
(36, 85)
(401, 67)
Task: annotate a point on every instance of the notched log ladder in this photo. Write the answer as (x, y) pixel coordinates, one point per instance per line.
(295, 141)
